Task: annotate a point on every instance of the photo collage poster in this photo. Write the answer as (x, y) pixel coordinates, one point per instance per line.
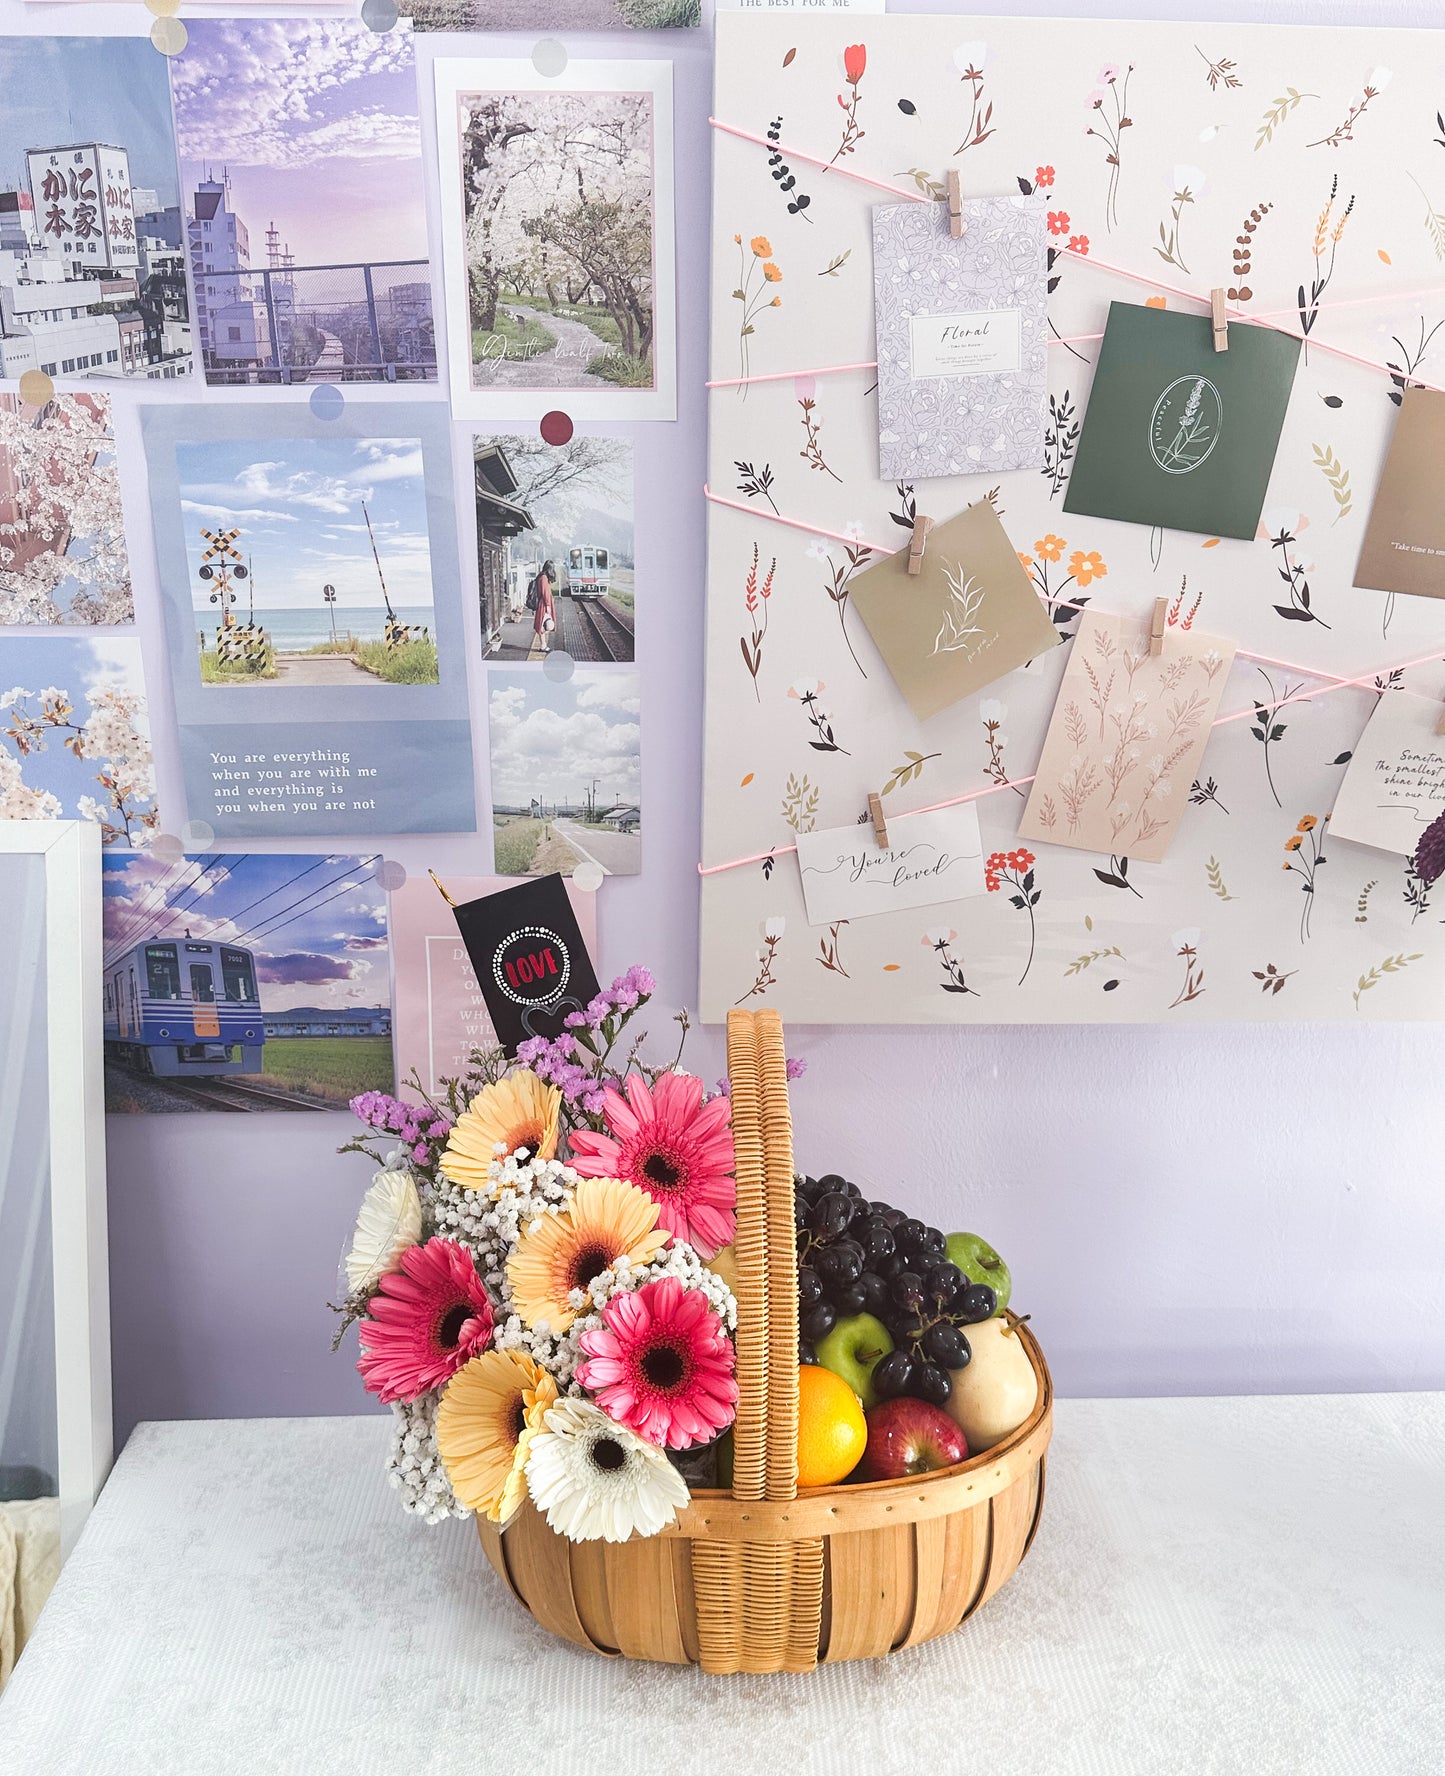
(254, 378)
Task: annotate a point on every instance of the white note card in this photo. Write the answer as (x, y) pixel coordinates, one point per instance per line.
(1395, 785)
(931, 858)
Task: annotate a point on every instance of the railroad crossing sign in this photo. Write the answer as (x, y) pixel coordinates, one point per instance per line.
(220, 564)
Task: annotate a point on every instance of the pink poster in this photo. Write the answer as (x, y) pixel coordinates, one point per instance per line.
(438, 1013)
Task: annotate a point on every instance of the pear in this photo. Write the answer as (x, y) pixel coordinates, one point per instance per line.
(997, 1390)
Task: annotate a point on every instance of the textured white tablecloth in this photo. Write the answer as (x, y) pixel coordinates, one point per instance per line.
(1227, 1587)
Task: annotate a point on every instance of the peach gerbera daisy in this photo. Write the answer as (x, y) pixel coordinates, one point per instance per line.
(518, 1111)
(488, 1415)
(605, 1220)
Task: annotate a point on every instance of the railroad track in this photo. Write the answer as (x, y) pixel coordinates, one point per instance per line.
(608, 632)
(221, 1093)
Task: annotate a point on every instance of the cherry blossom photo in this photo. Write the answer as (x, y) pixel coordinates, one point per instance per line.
(62, 535)
(75, 736)
(558, 233)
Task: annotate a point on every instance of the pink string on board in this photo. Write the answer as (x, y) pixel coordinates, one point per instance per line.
(1365, 682)
(828, 166)
(728, 382)
(842, 536)
(1259, 319)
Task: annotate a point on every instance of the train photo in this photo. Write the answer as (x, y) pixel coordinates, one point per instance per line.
(588, 572)
(184, 1007)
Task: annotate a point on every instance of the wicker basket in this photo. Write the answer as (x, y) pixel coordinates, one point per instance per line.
(765, 1578)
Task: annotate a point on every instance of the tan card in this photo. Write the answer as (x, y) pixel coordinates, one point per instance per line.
(969, 617)
(1126, 738)
(1404, 546)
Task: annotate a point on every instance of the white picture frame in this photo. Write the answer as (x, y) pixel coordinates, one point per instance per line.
(581, 400)
(71, 851)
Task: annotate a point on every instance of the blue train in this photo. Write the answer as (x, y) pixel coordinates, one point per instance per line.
(182, 1007)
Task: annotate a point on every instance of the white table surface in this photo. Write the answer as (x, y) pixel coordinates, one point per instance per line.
(1222, 1587)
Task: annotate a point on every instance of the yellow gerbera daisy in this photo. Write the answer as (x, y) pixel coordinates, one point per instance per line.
(604, 1221)
(490, 1411)
(518, 1111)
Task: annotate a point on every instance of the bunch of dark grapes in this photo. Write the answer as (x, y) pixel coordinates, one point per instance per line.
(856, 1256)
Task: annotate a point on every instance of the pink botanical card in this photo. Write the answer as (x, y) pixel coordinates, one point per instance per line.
(1127, 735)
(438, 1012)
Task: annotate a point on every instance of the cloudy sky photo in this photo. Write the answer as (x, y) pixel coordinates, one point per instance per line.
(297, 504)
(316, 122)
(316, 925)
(63, 90)
(552, 741)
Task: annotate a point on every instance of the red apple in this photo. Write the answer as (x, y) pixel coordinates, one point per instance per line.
(908, 1436)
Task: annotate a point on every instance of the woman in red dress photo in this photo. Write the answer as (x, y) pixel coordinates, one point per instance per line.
(545, 620)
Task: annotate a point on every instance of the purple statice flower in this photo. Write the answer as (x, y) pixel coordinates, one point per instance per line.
(553, 1059)
(625, 994)
(416, 1124)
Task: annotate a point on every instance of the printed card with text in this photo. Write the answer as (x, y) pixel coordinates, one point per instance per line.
(962, 331)
(440, 1012)
(931, 858)
(969, 615)
(1127, 735)
(1404, 546)
(529, 957)
(1395, 785)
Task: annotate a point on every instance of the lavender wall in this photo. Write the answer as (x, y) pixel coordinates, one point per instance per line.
(1213, 1210)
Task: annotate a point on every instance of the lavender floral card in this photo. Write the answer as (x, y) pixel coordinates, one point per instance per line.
(962, 337)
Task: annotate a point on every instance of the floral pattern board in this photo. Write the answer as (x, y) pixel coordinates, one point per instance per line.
(1127, 736)
(803, 720)
(962, 337)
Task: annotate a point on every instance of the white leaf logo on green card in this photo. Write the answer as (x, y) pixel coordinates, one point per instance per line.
(1184, 426)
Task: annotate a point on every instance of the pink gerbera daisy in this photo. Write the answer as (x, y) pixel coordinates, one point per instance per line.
(662, 1364)
(679, 1150)
(424, 1322)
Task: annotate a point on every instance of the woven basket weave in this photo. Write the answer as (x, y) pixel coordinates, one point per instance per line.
(764, 1578)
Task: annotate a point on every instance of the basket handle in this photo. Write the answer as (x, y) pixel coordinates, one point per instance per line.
(765, 1433)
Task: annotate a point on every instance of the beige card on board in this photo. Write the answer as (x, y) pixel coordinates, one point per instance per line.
(1395, 786)
(969, 617)
(1404, 546)
(1126, 737)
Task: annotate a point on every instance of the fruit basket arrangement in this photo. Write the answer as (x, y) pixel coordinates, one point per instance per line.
(599, 1357)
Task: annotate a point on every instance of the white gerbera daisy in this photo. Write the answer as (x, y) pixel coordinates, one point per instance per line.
(389, 1222)
(595, 1480)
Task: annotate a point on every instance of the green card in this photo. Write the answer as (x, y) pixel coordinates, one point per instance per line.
(1177, 433)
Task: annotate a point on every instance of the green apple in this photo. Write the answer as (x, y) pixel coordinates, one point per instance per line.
(852, 1348)
(978, 1261)
(997, 1390)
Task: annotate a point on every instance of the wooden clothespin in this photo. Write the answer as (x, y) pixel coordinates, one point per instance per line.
(1440, 725)
(1156, 626)
(955, 204)
(880, 825)
(1219, 319)
(921, 528)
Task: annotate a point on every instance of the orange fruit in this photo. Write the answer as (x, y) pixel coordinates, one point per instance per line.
(831, 1431)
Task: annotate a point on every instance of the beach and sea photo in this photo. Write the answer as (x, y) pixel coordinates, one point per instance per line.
(309, 561)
